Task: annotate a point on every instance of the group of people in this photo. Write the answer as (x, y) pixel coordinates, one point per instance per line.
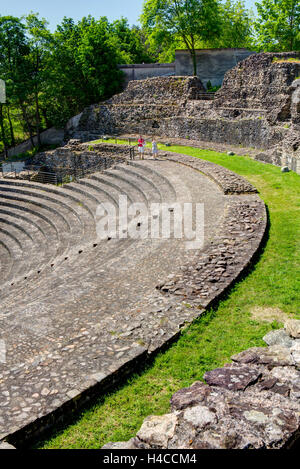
(142, 145)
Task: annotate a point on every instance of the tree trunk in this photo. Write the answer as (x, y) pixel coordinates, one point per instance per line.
(25, 117)
(38, 119)
(12, 135)
(193, 54)
(47, 121)
(3, 131)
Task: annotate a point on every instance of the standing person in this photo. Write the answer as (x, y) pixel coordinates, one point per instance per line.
(154, 149)
(141, 146)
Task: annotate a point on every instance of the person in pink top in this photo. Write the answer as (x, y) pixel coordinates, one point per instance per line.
(141, 146)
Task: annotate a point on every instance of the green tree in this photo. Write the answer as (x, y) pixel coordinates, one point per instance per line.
(14, 49)
(278, 25)
(39, 38)
(66, 84)
(98, 60)
(187, 21)
(129, 42)
(236, 25)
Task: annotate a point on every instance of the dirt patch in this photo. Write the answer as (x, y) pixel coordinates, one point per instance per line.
(269, 314)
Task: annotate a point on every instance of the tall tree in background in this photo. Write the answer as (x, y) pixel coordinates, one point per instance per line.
(130, 42)
(185, 20)
(236, 25)
(98, 59)
(14, 49)
(39, 39)
(278, 25)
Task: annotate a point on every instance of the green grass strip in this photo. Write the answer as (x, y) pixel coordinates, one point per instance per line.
(211, 340)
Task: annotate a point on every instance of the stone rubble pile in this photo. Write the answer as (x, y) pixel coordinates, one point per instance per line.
(254, 402)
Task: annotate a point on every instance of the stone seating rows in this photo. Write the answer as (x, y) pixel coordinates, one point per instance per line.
(79, 312)
(43, 226)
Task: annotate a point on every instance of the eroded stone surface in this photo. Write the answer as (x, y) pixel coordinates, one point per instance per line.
(278, 337)
(244, 405)
(232, 377)
(158, 430)
(292, 327)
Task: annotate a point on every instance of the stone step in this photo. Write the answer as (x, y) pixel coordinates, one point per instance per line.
(6, 260)
(48, 189)
(38, 251)
(154, 170)
(72, 219)
(108, 187)
(15, 248)
(89, 261)
(129, 187)
(143, 181)
(39, 221)
(78, 206)
(53, 222)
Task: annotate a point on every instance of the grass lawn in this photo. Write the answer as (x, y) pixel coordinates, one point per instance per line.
(235, 324)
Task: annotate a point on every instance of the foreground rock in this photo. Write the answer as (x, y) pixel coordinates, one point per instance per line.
(252, 403)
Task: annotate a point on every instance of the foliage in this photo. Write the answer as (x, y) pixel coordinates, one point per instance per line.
(286, 60)
(236, 25)
(187, 21)
(225, 24)
(278, 25)
(50, 77)
(212, 89)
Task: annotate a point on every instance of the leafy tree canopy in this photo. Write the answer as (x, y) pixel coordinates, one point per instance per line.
(278, 25)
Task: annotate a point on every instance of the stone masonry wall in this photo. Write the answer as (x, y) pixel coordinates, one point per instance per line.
(87, 158)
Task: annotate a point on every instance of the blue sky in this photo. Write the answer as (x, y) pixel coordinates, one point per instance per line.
(55, 10)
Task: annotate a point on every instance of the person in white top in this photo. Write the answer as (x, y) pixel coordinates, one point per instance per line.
(154, 149)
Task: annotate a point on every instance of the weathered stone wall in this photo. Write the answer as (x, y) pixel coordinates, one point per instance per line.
(261, 83)
(212, 64)
(252, 403)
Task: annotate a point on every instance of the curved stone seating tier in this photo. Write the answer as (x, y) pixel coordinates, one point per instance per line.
(78, 312)
(108, 250)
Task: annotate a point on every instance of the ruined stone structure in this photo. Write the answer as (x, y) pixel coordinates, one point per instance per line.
(257, 106)
(143, 71)
(252, 403)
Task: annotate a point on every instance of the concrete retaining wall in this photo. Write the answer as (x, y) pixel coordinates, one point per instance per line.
(142, 71)
(212, 64)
